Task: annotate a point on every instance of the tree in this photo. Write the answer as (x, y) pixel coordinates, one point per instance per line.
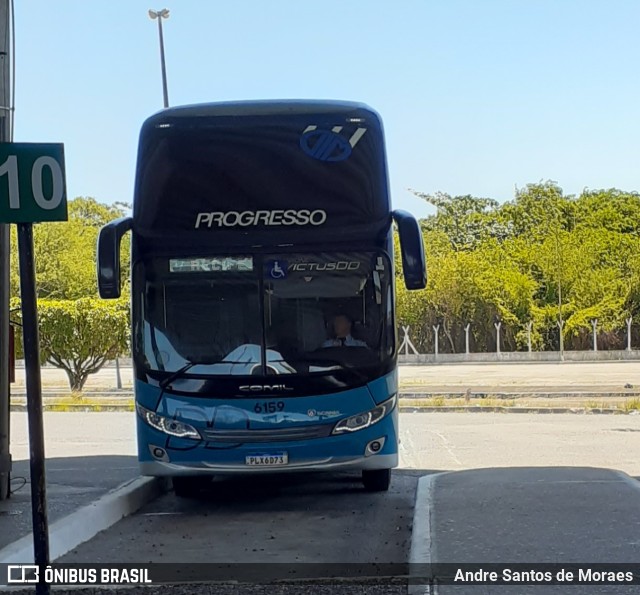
(466, 220)
(80, 336)
(542, 258)
(506, 292)
(65, 252)
(612, 210)
(535, 208)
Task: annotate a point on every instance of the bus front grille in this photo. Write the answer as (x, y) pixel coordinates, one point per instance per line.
(267, 435)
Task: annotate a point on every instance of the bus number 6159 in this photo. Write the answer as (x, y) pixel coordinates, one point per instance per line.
(269, 406)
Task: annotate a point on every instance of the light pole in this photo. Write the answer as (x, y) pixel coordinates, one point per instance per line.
(162, 14)
(5, 136)
(560, 279)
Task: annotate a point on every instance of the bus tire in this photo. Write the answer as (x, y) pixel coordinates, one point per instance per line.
(188, 486)
(376, 480)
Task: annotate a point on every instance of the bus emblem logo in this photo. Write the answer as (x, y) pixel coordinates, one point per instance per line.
(329, 145)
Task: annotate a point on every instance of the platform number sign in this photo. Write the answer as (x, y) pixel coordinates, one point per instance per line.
(32, 183)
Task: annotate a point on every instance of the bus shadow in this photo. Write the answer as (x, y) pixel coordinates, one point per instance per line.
(271, 487)
(71, 483)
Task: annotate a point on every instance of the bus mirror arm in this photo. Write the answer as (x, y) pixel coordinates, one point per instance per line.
(412, 249)
(109, 257)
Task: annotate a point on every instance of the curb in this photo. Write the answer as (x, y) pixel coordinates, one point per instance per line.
(80, 526)
(507, 396)
(422, 549)
(405, 393)
(498, 409)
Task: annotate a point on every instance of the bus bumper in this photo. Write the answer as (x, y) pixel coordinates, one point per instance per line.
(375, 447)
(163, 469)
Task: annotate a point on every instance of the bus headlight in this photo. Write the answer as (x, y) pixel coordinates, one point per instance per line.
(167, 425)
(364, 420)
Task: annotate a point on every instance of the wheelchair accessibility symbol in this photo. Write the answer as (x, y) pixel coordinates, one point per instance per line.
(278, 269)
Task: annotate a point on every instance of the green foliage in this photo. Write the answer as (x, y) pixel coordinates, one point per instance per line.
(80, 336)
(542, 258)
(631, 405)
(78, 332)
(65, 252)
(465, 220)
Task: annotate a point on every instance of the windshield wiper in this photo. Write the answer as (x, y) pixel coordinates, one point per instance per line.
(166, 381)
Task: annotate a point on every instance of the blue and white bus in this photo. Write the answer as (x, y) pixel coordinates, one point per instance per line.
(262, 291)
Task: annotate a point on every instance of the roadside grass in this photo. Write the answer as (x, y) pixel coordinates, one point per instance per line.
(74, 401)
(596, 405)
(440, 401)
(627, 405)
(81, 402)
(630, 405)
(491, 401)
(67, 402)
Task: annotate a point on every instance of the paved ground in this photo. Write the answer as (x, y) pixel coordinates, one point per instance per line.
(328, 518)
(106, 378)
(528, 488)
(325, 518)
(545, 515)
(529, 494)
(458, 441)
(517, 377)
(87, 455)
(571, 376)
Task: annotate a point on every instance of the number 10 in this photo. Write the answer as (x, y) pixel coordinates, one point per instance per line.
(10, 168)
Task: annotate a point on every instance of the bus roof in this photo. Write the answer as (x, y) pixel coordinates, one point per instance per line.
(247, 170)
(284, 107)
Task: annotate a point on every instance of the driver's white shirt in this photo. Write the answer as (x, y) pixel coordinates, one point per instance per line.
(349, 341)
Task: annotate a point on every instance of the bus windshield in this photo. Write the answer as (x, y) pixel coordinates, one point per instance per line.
(292, 314)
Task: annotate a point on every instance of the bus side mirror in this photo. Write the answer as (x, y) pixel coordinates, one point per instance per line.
(109, 257)
(412, 250)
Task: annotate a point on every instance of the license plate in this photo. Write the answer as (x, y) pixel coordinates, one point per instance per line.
(271, 460)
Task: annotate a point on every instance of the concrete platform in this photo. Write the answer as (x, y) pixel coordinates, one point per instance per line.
(87, 457)
(527, 515)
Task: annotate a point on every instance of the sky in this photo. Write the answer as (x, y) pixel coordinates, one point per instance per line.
(477, 96)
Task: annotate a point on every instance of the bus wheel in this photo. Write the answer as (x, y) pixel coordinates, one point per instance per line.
(376, 480)
(189, 486)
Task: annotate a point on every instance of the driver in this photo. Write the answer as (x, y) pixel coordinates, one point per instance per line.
(342, 331)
